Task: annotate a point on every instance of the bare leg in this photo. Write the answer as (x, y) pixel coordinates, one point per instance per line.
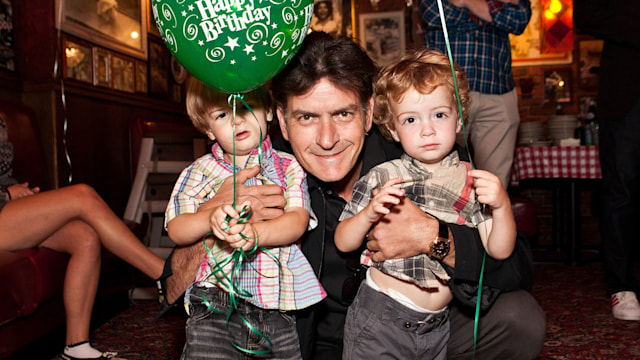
(81, 278)
(26, 222)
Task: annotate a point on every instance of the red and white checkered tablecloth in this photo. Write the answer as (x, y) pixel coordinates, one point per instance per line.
(579, 162)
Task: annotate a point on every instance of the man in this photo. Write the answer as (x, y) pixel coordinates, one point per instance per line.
(619, 116)
(479, 37)
(324, 106)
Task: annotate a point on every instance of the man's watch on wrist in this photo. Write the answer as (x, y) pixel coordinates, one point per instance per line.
(441, 244)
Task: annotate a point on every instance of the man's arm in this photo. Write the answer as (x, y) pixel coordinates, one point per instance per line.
(418, 228)
(477, 7)
(267, 201)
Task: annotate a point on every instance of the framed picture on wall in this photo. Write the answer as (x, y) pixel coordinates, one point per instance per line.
(328, 17)
(123, 74)
(557, 85)
(101, 67)
(141, 77)
(159, 58)
(7, 61)
(118, 25)
(527, 48)
(78, 61)
(382, 35)
(152, 28)
(590, 52)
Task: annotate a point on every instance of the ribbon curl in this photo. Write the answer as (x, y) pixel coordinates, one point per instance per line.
(238, 257)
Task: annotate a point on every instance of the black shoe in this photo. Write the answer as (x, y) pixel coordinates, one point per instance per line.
(165, 306)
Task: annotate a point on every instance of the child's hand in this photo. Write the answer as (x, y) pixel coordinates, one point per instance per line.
(489, 189)
(237, 235)
(383, 199)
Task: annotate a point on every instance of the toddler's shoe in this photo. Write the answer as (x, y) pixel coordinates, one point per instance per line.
(625, 305)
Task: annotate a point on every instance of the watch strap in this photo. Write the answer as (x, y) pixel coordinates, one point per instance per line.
(443, 230)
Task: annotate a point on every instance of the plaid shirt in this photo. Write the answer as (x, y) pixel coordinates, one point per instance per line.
(446, 194)
(481, 48)
(290, 286)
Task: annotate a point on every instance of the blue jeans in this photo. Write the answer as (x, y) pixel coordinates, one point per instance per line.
(209, 336)
(378, 327)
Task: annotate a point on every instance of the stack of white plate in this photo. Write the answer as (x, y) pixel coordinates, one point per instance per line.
(531, 134)
(562, 127)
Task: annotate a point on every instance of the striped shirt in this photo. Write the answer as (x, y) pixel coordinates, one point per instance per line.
(481, 48)
(289, 286)
(446, 194)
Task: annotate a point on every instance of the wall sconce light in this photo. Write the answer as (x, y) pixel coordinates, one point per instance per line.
(557, 26)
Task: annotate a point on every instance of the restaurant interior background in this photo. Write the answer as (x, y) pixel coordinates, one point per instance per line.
(88, 84)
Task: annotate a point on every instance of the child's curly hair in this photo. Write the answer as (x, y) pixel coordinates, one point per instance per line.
(423, 70)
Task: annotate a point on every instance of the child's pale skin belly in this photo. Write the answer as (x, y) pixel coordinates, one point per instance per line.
(432, 299)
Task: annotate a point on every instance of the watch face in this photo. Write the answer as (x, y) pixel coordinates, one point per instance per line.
(439, 249)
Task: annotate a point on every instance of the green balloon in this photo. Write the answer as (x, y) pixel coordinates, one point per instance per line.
(233, 46)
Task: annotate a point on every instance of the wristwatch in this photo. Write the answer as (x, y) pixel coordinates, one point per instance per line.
(440, 245)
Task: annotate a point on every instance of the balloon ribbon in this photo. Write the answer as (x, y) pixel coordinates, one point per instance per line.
(455, 82)
(229, 282)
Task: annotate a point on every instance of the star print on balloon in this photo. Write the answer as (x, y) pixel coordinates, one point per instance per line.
(233, 46)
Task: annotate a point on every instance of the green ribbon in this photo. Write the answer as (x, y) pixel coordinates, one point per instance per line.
(455, 83)
(228, 282)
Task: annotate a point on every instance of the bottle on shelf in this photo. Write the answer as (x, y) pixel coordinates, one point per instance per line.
(588, 135)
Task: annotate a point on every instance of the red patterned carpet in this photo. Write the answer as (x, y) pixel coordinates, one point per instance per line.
(579, 321)
(580, 325)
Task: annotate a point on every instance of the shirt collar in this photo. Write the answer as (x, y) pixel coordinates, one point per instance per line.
(253, 160)
(448, 161)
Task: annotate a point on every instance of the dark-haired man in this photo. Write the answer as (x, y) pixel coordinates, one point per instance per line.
(324, 101)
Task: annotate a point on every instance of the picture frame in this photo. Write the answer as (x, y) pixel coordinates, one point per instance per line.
(78, 61)
(557, 85)
(7, 55)
(178, 71)
(142, 83)
(152, 28)
(123, 74)
(159, 59)
(382, 35)
(527, 48)
(328, 17)
(101, 67)
(121, 27)
(589, 54)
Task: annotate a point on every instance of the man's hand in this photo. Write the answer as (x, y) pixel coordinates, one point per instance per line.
(406, 231)
(267, 201)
